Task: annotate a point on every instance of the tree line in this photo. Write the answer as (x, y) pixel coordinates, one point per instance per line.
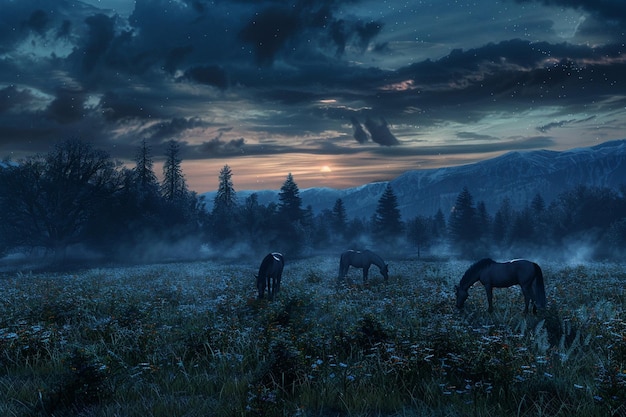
(78, 200)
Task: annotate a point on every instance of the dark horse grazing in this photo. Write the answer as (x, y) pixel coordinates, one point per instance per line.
(270, 272)
(494, 274)
(361, 259)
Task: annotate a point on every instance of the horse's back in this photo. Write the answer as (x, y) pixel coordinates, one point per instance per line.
(353, 257)
(524, 266)
(272, 263)
(525, 270)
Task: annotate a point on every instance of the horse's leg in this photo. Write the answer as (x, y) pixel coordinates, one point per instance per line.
(365, 272)
(260, 284)
(528, 295)
(489, 291)
(343, 271)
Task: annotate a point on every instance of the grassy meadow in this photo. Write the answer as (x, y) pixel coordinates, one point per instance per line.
(191, 339)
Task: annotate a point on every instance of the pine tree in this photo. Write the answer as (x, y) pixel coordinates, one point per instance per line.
(483, 220)
(143, 175)
(224, 207)
(419, 232)
(463, 225)
(387, 220)
(439, 224)
(290, 205)
(538, 205)
(226, 198)
(173, 186)
(339, 217)
(522, 227)
(502, 222)
(294, 223)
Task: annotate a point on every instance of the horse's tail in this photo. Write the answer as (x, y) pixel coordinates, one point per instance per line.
(539, 288)
(341, 265)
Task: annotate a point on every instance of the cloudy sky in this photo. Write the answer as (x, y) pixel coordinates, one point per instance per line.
(337, 92)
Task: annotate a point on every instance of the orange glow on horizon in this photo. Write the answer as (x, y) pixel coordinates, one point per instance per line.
(270, 172)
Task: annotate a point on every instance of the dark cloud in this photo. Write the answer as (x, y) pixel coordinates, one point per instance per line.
(297, 75)
(13, 98)
(37, 21)
(475, 136)
(360, 134)
(116, 107)
(549, 126)
(361, 33)
(611, 10)
(210, 75)
(464, 86)
(380, 133)
(217, 146)
(173, 128)
(99, 37)
(65, 29)
(175, 57)
(67, 107)
(271, 30)
(561, 123)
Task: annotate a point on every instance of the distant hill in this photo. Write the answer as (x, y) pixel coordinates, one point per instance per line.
(518, 176)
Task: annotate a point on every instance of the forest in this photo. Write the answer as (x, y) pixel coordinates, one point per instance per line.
(77, 203)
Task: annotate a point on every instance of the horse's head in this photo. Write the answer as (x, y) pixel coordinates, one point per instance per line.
(385, 271)
(461, 296)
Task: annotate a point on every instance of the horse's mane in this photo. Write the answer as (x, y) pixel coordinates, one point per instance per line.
(474, 269)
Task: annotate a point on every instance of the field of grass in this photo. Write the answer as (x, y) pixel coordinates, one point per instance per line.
(192, 340)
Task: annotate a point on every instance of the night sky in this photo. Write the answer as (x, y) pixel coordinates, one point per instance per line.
(339, 93)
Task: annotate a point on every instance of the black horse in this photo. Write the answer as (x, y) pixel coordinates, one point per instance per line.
(494, 274)
(361, 259)
(270, 273)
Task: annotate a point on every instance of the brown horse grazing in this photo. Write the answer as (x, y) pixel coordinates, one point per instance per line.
(494, 274)
(270, 273)
(361, 259)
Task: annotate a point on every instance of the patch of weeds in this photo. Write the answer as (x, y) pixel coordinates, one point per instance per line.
(130, 316)
(312, 277)
(57, 311)
(82, 385)
(289, 313)
(281, 378)
(548, 398)
(371, 331)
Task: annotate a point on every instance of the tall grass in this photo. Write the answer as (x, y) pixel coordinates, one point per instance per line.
(192, 339)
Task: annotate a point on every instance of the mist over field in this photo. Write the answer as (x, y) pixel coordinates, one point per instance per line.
(75, 207)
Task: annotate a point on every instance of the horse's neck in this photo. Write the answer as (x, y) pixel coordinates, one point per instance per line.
(468, 281)
(377, 260)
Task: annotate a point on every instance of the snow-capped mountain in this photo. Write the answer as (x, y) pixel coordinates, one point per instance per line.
(518, 176)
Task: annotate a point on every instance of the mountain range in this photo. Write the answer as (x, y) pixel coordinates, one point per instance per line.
(518, 176)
